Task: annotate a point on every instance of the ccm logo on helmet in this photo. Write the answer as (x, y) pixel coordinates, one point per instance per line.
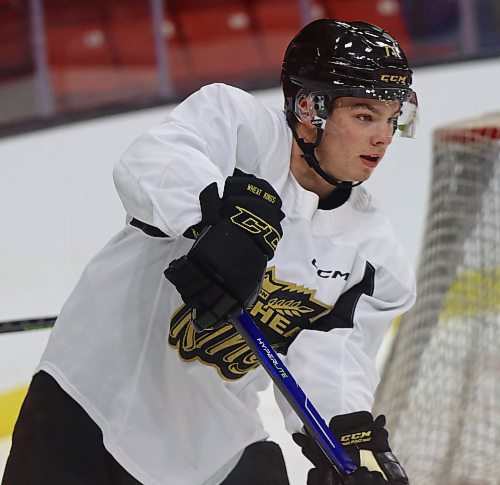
(393, 78)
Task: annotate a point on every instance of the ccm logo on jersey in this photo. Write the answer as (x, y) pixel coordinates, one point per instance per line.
(329, 273)
(255, 225)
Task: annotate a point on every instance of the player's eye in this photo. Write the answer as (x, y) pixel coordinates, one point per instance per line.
(365, 117)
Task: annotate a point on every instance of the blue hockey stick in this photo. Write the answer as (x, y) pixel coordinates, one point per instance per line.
(295, 396)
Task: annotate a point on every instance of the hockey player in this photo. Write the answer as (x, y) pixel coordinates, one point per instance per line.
(234, 205)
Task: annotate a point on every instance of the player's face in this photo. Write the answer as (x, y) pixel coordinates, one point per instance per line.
(356, 135)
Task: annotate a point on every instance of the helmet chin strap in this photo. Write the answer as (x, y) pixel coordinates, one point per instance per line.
(309, 155)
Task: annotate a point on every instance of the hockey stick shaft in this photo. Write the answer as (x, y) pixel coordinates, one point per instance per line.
(295, 396)
(26, 325)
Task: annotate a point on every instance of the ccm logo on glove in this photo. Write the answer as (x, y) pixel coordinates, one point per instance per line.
(356, 438)
(257, 226)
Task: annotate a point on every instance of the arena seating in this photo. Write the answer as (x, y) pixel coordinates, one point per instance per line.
(220, 40)
(15, 48)
(104, 51)
(384, 13)
(276, 23)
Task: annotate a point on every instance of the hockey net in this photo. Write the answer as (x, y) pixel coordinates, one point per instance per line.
(440, 387)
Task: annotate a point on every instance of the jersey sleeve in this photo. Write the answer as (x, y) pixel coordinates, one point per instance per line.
(335, 363)
(160, 176)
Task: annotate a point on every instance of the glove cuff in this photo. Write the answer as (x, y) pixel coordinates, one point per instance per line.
(348, 422)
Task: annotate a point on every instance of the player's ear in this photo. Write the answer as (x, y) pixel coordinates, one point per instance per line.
(305, 110)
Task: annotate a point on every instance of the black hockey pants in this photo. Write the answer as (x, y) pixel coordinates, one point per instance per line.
(56, 443)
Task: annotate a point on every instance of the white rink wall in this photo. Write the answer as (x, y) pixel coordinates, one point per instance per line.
(58, 207)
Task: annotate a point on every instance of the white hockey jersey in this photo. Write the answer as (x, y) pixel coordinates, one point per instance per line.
(178, 407)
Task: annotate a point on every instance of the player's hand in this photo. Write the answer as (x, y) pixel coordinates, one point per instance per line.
(366, 442)
(222, 273)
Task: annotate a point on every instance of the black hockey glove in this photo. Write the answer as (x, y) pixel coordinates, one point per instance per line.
(366, 443)
(222, 273)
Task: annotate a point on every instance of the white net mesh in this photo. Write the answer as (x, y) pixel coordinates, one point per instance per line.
(441, 384)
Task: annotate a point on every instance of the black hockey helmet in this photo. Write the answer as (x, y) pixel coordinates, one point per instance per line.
(329, 59)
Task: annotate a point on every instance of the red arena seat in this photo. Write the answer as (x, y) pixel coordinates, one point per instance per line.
(387, 14)
(277, 22)
(221, 41)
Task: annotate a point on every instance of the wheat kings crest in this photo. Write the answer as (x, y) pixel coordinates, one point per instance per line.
(281, 311)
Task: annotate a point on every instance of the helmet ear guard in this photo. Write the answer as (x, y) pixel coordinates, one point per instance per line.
(312, 107)
(303, 108)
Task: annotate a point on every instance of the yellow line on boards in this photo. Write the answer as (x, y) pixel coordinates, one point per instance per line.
(473, 293)
(10, 404)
